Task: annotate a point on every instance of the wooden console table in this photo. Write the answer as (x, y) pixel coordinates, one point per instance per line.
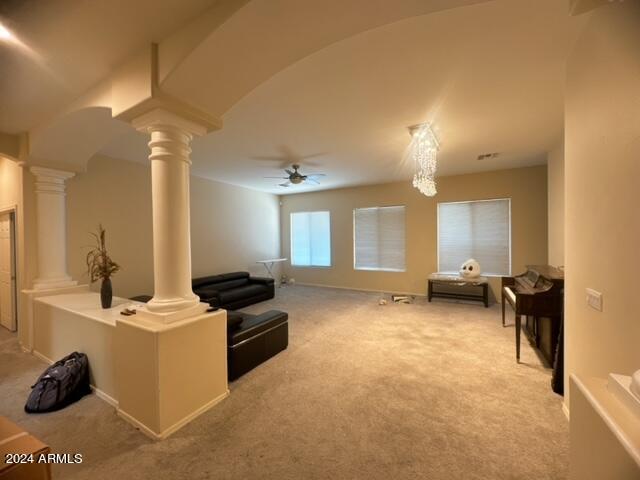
(456, 281)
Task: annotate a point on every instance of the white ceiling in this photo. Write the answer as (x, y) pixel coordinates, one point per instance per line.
(488, 76)
(67, 46)
(295, 85)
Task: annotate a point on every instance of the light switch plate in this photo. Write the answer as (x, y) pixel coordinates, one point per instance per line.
(594, 299)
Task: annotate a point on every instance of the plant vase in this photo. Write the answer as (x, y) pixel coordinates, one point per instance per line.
(106, 293)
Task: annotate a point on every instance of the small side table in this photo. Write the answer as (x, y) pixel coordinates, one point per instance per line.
(456, 281)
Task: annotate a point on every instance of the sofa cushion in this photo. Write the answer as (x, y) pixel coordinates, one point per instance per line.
(203, 281)
(212, 290)
(229, 284)
(253, 325)
(234, 320)
(206, 293)
(234, 275)
(240, 293)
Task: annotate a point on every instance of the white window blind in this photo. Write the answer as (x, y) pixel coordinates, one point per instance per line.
(480, 230)
(311, 239)
(379, 242)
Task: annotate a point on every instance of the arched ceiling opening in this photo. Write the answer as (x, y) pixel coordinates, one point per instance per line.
(74, 138)
(266, 36)
(488, 75)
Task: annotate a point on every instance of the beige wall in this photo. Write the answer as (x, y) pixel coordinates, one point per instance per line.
(11, 196)
(602, 165)
(555, 184)
(527, 188)
(231, 227)
(58, 332)
(10, 183)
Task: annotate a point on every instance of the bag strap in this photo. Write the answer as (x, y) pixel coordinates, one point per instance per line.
(45, 380)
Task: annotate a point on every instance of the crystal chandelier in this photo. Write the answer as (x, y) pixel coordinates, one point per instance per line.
(424, 149)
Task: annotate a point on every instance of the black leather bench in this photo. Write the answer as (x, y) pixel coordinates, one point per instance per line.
(253, 339)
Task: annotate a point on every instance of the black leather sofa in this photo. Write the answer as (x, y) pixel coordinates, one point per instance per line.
(233, 290)
(253, 339)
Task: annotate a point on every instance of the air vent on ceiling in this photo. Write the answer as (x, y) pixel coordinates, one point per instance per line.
(487, 156)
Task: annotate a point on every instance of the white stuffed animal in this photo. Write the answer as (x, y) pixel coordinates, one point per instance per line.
(470, 269)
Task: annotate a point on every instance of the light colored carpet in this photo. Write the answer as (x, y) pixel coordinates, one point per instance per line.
(363, 392)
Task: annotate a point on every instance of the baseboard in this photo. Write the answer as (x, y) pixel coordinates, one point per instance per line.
(104, 396)
(369, 290)
(99, 393)
(565, 410)
(42, 357)
(176, 426)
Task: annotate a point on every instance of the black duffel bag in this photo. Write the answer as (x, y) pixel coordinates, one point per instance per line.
(63, 383)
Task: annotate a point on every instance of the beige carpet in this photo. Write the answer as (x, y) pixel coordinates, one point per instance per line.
(364, 391)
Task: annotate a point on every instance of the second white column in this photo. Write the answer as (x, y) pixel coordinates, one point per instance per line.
(170, 169)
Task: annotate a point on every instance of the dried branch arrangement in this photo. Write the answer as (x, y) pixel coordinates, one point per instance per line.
(99, 264)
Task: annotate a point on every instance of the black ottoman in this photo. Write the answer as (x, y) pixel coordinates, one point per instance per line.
(253, 339)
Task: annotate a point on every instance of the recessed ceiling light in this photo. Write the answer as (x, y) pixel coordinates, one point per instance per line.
(5, 34)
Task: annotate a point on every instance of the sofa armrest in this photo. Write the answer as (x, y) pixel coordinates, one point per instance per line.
(262, 280)
(272, 315)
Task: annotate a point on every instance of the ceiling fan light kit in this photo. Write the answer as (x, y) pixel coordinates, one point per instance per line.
(294, 177)
(424, 150)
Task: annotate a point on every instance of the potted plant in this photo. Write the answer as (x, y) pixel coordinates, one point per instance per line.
(101, 267)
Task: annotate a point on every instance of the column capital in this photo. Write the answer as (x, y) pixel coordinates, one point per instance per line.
(52, 173)
(49, 180)
(52, 228)
(160, 118)
(165, 110)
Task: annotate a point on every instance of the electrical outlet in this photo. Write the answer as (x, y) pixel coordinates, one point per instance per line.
(594, 299)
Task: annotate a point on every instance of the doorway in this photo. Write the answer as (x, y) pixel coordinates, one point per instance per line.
(8, 293)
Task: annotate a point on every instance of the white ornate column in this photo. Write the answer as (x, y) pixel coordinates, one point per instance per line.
(51, 212)
(171, 137)
(152, 395)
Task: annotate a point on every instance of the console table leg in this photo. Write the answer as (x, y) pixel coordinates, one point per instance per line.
(503, 323)
(518, 338)
(429, 290)
(485, 294)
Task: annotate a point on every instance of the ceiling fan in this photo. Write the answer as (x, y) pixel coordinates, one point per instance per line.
(296, 178)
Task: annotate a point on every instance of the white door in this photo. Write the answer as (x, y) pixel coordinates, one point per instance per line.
(7, 273)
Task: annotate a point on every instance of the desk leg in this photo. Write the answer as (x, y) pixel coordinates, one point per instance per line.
(485, 294)
(429, 290)
(518, 324)
(503, 300)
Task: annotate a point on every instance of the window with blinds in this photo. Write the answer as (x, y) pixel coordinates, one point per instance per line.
(311, 239)
(379, 240)
(480, 230)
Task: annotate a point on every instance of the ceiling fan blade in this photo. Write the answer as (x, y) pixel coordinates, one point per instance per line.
(313, 175)
(280, 178)
(288, 171)
(286, 184)
(312, 180)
